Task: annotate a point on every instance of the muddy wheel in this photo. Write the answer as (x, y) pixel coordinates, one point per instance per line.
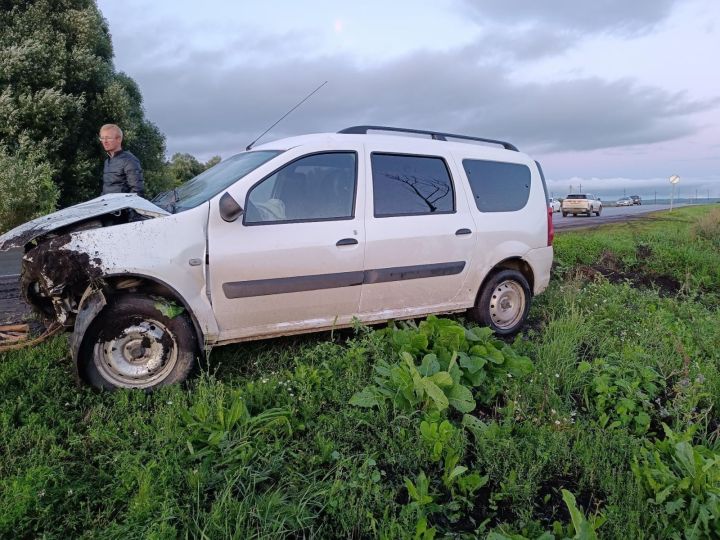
(504, 302)
(132, 344)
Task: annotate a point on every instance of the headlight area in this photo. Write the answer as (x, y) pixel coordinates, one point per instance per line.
(54, 279)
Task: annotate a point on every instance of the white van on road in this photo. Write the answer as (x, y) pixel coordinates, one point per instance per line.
(302, 234)
(581, 203)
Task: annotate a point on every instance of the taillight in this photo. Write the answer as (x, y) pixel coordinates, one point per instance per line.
(551, 227)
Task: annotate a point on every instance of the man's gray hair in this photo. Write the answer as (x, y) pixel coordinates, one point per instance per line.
(114, 127)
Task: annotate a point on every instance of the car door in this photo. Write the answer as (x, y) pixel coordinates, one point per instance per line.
(294, 261)
(419, 234)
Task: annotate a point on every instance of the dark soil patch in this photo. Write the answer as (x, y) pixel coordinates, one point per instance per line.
(612, 269)
(587, 352)
(471, 518)
(551, 506)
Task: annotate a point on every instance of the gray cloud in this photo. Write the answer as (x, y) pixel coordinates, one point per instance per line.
(615, 16)
(211, 103)
(501, 44)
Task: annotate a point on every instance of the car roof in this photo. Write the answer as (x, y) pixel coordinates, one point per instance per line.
(413, 144)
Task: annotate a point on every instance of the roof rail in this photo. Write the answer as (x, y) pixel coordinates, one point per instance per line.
(362, 130)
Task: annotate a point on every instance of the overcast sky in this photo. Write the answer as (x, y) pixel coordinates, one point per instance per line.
(614, 94)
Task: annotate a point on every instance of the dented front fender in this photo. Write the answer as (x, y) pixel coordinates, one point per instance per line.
(91, 304)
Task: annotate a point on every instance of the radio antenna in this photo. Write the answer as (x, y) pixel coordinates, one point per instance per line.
(249, 146)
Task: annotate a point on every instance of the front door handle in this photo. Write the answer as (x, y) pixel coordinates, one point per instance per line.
(347, 242)
(460, 232)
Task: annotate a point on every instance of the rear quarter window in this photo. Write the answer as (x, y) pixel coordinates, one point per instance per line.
(498, 186)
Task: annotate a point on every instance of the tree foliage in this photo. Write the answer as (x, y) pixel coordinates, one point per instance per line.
(183, 167)
(26, 186)
(58, 85)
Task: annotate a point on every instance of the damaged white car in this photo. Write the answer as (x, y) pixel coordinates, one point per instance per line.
(302, 234)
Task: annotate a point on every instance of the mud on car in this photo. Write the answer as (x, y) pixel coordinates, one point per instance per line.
(302, 234)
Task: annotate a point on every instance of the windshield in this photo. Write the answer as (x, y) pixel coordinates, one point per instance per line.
(211, 182)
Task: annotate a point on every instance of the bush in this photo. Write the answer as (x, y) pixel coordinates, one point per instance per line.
(26, 186)
(707, 226)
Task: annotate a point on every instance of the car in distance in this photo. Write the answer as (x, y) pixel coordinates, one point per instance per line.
(636, 199)
(554, 204)
(625, 201)
(302, 234)
(581, 203)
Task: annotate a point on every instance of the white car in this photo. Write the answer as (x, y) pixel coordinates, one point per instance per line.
(554, 204)
(581, 203)
(625, 201)
(302, 234)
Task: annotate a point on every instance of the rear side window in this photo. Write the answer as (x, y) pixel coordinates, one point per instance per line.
(411, 185)
(497, 186)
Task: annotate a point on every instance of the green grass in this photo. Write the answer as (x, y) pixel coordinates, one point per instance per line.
(267, 445)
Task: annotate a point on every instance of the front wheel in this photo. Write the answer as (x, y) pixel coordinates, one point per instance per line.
(136, 342)
(504, 302)
(598, 211)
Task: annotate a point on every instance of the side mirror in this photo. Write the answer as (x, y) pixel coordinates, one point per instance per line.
(230, 210)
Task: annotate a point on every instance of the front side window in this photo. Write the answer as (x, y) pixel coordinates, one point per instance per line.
(313, 188)
(498, 186)
(411, 185)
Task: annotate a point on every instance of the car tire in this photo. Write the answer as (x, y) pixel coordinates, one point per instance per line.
(598, 212)
(133, 344)
(503, 302)
(565, 214)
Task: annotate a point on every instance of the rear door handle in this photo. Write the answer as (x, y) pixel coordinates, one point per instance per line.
(347, 242)
(460, 232)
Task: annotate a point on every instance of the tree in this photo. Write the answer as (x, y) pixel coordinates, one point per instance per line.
(58, 85)
(183, 167)
(26, 186)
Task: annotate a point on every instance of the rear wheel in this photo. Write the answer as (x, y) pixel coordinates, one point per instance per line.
(564, 214)
(504, 302)
(135, 343)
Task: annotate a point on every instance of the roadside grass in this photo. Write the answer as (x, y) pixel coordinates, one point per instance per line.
(617, 406)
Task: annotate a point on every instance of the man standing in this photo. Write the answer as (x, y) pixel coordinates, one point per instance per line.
(122, 172)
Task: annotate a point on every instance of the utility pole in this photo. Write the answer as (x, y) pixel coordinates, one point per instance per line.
(580, 188)
(656, 196)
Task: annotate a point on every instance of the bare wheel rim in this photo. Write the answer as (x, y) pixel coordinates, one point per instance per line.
(507, 304)
(140, 356)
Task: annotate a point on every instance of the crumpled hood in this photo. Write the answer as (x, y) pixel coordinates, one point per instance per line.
(105, 204)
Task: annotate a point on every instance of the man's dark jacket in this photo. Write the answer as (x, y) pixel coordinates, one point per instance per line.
(122, 173)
